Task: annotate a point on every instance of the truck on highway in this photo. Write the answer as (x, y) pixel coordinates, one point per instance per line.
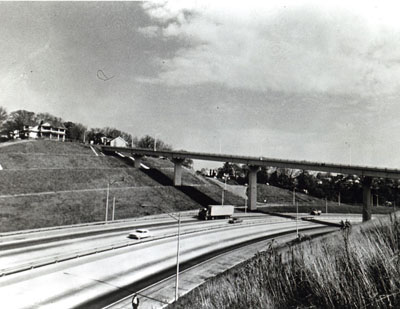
(216, 212)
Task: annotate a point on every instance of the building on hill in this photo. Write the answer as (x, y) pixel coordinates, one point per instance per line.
(109, 141)
(118, 142)
(44, 130)
(104, 140)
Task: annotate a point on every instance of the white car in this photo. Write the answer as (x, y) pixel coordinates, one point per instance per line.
(140, 233)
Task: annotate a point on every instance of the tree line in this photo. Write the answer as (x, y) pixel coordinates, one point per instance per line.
(78, 132)
(334, 187)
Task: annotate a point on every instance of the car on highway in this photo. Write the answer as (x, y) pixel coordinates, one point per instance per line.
(235, 220)
(140, 233)
(316, 212)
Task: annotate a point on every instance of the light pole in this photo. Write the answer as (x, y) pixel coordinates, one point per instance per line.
(178, 218)
(245, 200)
(294, 196)
(113, 211)
(108, 194)
(223, 191)
(155, 141)
(326, 205)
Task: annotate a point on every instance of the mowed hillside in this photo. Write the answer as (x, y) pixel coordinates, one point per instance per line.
(47, 183)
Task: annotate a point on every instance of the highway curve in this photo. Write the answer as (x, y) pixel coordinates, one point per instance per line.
(83, 280)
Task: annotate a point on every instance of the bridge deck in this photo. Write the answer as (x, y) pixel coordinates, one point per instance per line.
(380, 172)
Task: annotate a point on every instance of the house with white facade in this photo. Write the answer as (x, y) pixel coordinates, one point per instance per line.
(118, 142)
(44, 130)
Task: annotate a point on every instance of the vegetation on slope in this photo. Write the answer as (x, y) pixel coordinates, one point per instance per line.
(47, 183)
(356, 268)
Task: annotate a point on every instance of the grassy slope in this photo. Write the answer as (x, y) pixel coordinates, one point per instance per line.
(272, 194)
(74, 181)
(356, 268)
(48, 183)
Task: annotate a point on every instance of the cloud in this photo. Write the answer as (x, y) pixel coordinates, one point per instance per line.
(149, 32)
(294, 48)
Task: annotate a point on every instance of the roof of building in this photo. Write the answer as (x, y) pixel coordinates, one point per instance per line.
(48, 124)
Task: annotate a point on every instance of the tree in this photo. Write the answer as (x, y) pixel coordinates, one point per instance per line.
(147, 142)
(75, 131)
(111, 132)
(46, 117)
(274, 179)
(3, 115)
(188, 163)
(16, 120)
(262, 175)
(306, 181)
(94, 134)
(286, 178)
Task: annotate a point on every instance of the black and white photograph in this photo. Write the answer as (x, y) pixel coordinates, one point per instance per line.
(199, 154)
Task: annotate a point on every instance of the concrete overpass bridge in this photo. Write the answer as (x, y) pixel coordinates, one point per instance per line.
(254, 163)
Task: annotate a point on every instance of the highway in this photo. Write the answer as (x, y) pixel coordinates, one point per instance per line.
(161, 293)
(83, 278)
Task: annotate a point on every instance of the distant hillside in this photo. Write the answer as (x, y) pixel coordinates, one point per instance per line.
(48, 183)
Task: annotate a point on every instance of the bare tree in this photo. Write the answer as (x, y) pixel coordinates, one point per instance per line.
(3, 115)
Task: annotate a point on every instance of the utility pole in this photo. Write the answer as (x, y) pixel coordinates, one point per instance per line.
(223, 191)
(113, 211)
(326, 205)
(178, 219)
(177, 259)
(245, 199)
(108, 192)
(294, 196)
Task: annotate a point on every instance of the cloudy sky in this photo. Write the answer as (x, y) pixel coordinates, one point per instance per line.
(288, 79)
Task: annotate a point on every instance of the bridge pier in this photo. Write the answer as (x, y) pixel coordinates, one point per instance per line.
(367, 205)
(138, 160)
(178, 171)
(253, 187)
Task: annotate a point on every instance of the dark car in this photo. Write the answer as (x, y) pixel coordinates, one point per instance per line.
(235, 220)
(315, 212)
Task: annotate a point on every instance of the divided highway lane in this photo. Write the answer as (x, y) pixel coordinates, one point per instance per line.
(24, 238)
(75, 282)
(162, 292)
(14, 260)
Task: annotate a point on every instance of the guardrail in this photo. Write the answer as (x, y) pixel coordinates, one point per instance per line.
(99, 223)
(70, 256)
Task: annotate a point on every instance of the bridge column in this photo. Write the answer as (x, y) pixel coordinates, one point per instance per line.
(138, 160)
(253, 187)
(177, 171)
(367, 206)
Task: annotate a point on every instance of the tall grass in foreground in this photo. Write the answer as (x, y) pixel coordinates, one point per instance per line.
(358, 268)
